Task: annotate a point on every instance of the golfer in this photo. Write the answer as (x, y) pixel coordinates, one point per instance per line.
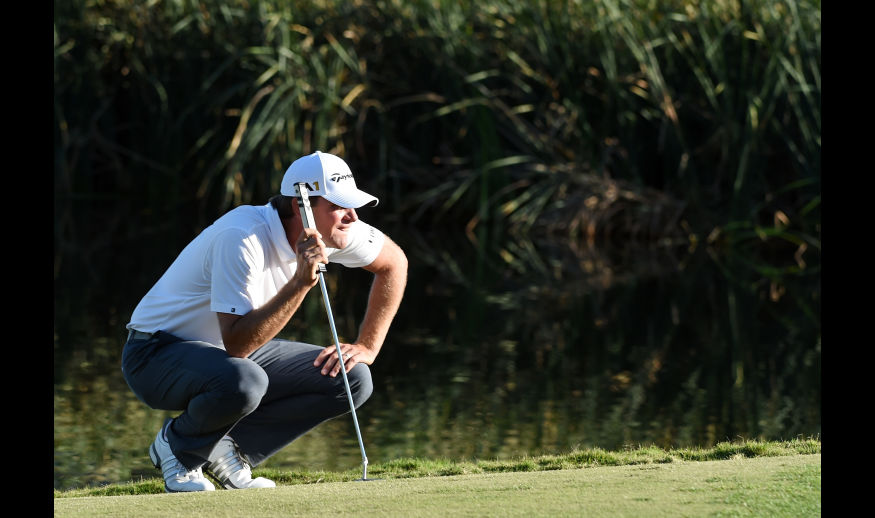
(203, 341)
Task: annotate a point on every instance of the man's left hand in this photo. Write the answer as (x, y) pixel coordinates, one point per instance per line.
(352, 354)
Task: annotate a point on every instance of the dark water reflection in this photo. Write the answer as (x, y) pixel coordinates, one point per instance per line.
(538, 348)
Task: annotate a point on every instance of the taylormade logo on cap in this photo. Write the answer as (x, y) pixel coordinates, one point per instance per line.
(336, 177)
(328, 176)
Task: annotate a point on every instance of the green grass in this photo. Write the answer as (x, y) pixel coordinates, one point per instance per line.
(406, 468)
(756, 479)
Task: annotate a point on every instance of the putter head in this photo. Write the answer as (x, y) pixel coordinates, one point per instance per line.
(367, 479)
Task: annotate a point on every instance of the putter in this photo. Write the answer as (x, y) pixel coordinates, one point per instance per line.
(309, 222)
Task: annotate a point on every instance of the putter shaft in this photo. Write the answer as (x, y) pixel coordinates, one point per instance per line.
(343, 371)
(310, 222)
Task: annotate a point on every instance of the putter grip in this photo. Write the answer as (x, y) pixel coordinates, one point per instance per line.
(306, 212)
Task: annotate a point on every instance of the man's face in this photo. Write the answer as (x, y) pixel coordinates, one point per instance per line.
(332, 221)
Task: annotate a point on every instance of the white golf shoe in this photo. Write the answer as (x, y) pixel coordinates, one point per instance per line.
(231, 471)
(177, 478)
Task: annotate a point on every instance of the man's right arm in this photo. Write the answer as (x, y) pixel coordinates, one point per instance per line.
(244, 334)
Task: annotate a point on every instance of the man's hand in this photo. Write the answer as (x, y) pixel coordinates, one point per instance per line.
(352, 354)
(309, 252)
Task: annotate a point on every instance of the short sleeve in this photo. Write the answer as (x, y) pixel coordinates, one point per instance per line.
(235, 263)
(365, 243)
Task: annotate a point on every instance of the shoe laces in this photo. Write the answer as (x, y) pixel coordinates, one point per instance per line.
(172, 467)
(230, 463)
(196, 474)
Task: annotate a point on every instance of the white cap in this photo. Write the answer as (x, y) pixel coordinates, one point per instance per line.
(328, 176)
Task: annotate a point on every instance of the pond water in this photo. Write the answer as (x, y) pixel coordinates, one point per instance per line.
(537, 348)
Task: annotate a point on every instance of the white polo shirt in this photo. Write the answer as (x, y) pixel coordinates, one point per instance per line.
(234, 266)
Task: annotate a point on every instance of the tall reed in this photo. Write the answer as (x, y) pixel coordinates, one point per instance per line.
(588, 120)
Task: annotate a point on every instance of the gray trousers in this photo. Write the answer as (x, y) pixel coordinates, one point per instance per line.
(263, 402)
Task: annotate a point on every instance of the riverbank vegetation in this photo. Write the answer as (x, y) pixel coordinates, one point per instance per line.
(631, 119)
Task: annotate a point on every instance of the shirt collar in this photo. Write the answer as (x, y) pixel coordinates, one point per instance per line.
(278, 235)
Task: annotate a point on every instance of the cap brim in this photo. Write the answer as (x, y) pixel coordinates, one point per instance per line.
(352, 199)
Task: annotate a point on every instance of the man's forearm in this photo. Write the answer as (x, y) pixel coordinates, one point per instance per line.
(383, 303)
(245, 334)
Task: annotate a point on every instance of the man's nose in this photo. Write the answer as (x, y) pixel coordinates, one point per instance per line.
(351, 216)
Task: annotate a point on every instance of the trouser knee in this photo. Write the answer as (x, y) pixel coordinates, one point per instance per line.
(243, 385)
